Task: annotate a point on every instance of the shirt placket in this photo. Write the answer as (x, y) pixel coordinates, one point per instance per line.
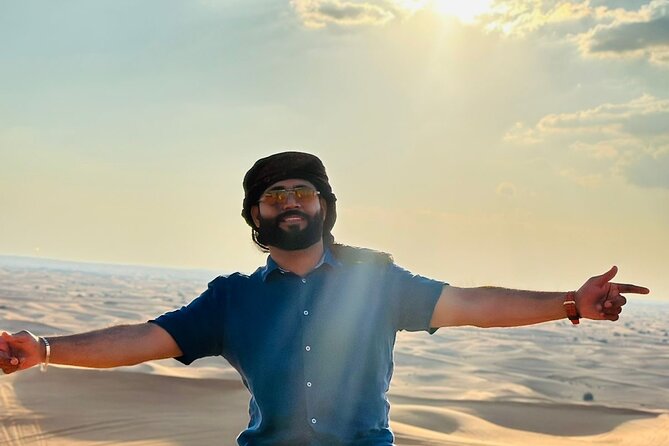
(309, 350)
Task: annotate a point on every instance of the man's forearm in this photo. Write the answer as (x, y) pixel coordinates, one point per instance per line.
(109, 347)
(496, 307)
(509, 307)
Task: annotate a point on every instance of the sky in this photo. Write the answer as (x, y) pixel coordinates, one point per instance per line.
(520, 143)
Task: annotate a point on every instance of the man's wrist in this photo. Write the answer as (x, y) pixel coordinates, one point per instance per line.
(46, 353)
(571, 308)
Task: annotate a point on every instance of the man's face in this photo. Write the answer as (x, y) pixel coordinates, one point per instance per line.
(294, 223)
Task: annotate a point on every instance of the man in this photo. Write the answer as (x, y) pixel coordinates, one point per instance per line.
(312, 332)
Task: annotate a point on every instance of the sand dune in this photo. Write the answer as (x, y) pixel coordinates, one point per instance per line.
(464, 386)
(77, 406)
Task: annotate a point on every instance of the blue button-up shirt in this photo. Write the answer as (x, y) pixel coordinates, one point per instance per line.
(316, 352)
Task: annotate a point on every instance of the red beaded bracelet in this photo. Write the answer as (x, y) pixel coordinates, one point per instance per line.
(569, 305)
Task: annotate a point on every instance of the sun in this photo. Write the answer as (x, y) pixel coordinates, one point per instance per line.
(464, 10)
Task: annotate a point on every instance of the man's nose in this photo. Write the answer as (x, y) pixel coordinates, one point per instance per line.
(291, 201)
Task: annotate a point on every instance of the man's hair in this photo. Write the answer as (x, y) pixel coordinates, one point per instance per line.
(282, 166)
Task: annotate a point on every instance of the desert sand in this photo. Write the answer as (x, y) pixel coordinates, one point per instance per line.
(551, 384)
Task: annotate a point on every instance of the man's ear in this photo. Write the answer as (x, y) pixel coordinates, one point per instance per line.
(255, 215)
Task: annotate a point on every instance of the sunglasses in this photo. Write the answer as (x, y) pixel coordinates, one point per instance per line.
(302, 194)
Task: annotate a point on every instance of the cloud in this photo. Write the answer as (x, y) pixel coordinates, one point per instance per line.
(650, 169)
(521, 17)
(644, 34)
(506, 189)
(629, 139)
(521, 134)
(600, 29)
(630, 37)
(586, 180)
(606, 120)
(598, 150)
(321, 13)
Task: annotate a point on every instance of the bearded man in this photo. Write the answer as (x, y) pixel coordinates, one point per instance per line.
(312, 331)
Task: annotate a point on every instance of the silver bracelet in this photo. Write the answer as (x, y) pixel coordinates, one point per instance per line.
(44, 364)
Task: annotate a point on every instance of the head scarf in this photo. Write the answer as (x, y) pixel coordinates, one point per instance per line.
(284, 166)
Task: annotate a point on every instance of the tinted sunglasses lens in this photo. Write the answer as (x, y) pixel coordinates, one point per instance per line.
(275, 197)
(304, 193)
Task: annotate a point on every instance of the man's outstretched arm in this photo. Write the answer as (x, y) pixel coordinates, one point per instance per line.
(110, 347)
(598, 298)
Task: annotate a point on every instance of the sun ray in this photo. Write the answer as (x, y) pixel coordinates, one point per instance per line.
(465, 11)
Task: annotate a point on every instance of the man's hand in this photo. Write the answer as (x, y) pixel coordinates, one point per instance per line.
(19, 351)
(599, 298)
(8, 361)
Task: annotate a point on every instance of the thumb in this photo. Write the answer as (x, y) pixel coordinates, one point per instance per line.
(607, 276)
(4, 340)
(13, 338)
(16, 340)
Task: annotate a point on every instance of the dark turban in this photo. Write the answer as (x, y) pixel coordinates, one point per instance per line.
(283, 166)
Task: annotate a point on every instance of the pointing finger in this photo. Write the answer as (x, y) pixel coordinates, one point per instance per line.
(628, 288)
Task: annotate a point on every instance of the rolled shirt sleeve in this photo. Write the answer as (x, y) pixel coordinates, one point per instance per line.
(415, 297)
(196, 327)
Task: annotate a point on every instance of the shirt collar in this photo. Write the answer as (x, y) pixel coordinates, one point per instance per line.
(327, 259)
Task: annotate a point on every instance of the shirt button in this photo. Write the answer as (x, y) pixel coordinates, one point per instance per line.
(308, 383)
(308, 348)
(313, 421)
(304, 280)
(306, 313)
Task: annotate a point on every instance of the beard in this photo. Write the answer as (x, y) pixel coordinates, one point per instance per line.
(292, 238)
